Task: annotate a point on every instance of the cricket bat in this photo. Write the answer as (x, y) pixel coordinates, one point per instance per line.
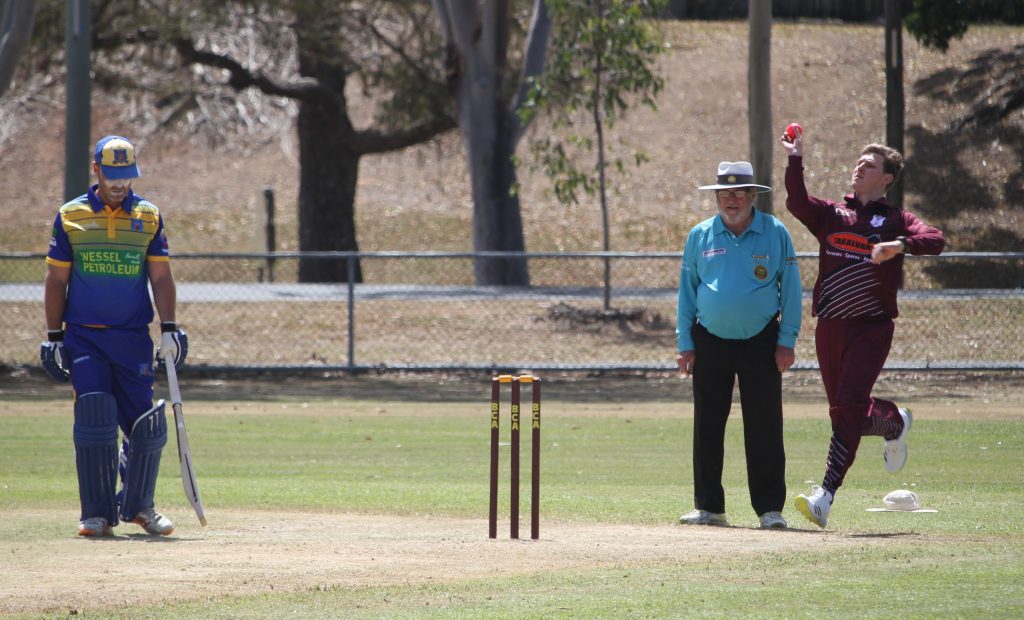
(188, 472)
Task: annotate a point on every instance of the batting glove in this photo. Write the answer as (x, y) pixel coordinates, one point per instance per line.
(53, 356)
(173, 345)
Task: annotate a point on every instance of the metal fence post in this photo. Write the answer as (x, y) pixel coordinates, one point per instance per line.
(268, 198)
(350, 265)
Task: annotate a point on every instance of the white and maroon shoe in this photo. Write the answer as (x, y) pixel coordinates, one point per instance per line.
(895, 452)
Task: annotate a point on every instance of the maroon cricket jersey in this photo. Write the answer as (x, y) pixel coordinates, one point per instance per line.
(849, 285)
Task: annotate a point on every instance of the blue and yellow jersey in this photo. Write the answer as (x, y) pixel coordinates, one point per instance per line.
(107, 250)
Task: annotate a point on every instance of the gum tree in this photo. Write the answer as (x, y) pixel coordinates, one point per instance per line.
(489, 94)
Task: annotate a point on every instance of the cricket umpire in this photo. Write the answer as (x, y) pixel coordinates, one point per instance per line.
(738, 315)
(106, 249)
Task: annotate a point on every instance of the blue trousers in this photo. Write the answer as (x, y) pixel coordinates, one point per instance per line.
(114, 361)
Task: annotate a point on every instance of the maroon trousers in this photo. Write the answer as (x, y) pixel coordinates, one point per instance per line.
(851, 354)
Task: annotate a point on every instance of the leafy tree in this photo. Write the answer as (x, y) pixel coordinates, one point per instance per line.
(331, 40)
(193, 60)
(936, 22)
(604, 56)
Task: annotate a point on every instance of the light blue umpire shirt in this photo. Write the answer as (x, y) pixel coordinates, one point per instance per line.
(734, 285)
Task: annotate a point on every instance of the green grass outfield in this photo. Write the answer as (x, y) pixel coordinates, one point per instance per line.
(603, 463)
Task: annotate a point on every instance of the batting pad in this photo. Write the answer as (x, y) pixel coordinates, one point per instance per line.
(95, 435)
(148, 437)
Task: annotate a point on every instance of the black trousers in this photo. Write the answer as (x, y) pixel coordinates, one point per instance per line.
(718, 362)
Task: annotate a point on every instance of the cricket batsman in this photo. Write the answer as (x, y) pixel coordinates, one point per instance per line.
(107, 248)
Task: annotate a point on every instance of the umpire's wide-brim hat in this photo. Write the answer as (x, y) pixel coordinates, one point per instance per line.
(735, 174)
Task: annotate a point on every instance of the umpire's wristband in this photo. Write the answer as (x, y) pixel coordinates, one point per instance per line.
(55, 335)
(168, 326)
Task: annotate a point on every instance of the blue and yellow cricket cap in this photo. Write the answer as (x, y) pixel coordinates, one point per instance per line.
(116, 157)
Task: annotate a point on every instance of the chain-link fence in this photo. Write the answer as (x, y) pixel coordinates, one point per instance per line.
(422, 311)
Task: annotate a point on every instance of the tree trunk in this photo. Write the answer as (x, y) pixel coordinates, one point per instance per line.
(328, 169)
(328, 165)
(497, 224)
(759, 98)
(477, 41)
(488, 136)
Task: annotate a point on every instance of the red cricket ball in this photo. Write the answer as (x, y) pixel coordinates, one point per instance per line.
(792, 129)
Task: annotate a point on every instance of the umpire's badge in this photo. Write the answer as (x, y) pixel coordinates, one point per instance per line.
(760, 272)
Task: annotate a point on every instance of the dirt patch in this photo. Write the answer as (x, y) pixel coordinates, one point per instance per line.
(254, 552)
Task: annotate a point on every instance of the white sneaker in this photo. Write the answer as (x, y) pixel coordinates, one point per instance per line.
(703, 517)
(154, 523)
(815, 506)
(94, 526)
(895, 452)
(773, 520)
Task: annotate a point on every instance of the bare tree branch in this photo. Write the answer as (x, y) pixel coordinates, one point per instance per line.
(242, 78)
(372, 141)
